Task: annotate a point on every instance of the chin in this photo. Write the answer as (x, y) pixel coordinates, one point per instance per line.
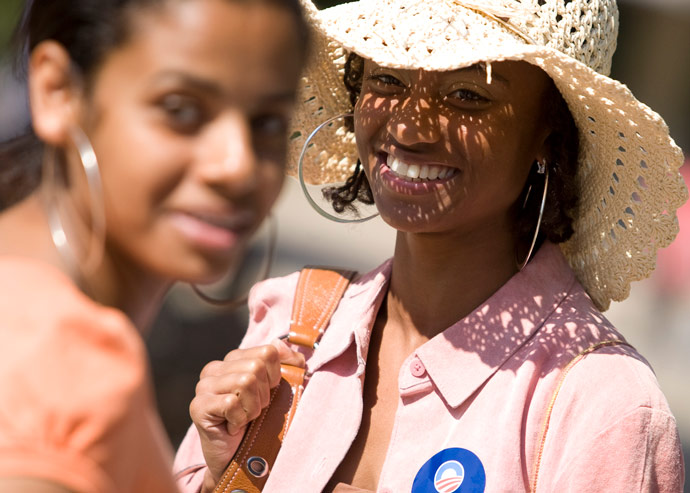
(194, 269)
(409, 221)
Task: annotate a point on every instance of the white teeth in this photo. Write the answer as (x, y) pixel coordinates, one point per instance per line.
(417, 172)
(398, 167)
(413, 171)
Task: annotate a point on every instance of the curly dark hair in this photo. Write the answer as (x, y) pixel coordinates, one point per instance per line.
(562, 195)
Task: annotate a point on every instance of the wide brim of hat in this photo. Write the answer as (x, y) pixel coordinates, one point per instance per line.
(628, 163)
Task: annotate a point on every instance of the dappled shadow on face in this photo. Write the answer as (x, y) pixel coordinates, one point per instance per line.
(484, 133)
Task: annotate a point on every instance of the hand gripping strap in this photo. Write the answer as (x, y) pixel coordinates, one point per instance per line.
(319, 291)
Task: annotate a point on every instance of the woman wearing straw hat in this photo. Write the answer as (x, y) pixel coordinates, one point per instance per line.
(528, 190)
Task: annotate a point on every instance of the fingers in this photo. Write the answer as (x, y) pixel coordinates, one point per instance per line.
(245, 381)
(222, 414)
(235, 390)
(286, 355)
(232, 392)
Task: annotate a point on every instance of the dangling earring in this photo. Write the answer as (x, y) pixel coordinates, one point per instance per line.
(300, 171)
(268, 263)
(542, 169)
(96, 243)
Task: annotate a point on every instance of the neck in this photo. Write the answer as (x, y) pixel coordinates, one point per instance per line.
(125, 287)
(25, 232)
(438, 279)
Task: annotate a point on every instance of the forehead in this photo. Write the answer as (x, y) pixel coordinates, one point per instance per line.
(248, 45)
(504, 72)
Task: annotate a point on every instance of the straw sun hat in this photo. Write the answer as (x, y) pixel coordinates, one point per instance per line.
(628, 164)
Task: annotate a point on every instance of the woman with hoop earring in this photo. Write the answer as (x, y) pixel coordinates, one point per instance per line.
(528, 190)
(158, 147)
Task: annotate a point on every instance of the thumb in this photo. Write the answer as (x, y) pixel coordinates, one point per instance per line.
(287, 355)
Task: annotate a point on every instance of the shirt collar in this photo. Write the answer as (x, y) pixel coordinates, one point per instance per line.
(460, 359)
(354, 317)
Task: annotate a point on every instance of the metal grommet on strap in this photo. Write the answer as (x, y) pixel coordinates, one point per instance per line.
(257, 466)
(319, 292)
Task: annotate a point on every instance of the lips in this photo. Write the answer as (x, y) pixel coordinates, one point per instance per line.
(229, 221)
(419, 172)
(213, 230)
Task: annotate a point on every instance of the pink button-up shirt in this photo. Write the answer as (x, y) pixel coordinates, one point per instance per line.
(473, 401)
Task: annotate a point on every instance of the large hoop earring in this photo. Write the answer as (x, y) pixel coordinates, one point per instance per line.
(305, 190)
(268, 263)
(542, 169)
(95, 246)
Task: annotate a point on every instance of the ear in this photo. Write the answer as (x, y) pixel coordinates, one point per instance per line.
(54, 92)
(544, 152)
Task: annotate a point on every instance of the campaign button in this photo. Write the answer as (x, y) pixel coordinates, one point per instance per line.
(453, 470)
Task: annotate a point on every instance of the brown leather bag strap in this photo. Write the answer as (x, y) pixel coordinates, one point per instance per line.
(319, 290)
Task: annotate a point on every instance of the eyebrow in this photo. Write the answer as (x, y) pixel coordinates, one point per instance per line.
(208, 87)
(481, 70)
(189, 80)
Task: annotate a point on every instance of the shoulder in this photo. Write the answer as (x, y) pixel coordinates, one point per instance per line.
(270, 305)
(589, 354)
(271, 301)
(606, 415)
(610, 421)
(75, 369)
(44, 312)
(59, 342)
(595, 372)
(597, 380)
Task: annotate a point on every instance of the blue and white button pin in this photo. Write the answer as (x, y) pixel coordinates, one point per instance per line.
(453, 470)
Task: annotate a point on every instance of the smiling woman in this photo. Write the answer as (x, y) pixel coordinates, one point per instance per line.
(528, 190)
(467, 99)
(161, 128)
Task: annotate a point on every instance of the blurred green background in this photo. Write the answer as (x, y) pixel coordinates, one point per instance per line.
(9, 13)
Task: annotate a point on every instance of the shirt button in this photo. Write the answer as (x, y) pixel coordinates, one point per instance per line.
(386, 490)
(417, 368)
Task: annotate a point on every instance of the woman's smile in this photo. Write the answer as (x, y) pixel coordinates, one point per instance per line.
(449, 151)
(413, 176)
(419, 172)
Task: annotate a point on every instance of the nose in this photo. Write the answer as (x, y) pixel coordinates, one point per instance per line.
(415, 121)
(227, 157)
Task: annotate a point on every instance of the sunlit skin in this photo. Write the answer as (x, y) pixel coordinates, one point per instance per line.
(188, 119)
(455, 246)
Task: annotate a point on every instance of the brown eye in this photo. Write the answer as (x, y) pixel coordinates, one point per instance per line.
(467, 95)
(183, 113)
(386, 79)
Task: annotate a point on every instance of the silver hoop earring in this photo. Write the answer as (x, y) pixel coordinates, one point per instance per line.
(93, 252)
(268, 263)
(305, 188)
(542, 169)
